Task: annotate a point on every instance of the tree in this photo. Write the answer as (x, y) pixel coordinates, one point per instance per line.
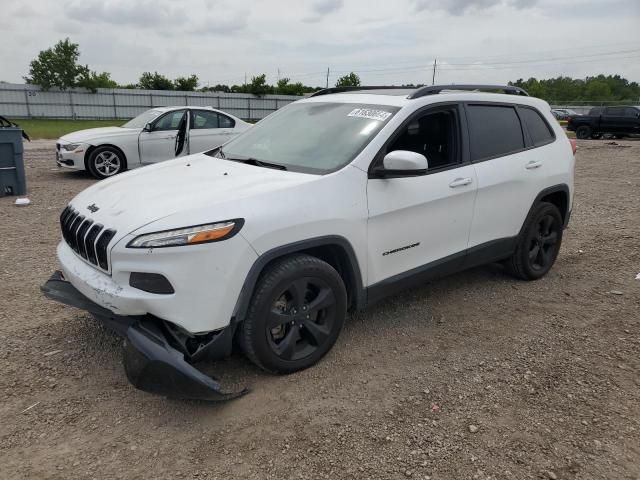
(186, 84)
(284, 87)
(94, 80)
(258, 86)
(350, 80)
(57, 66)
(154, 81)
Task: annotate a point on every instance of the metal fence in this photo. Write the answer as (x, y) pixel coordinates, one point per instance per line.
(29, 101)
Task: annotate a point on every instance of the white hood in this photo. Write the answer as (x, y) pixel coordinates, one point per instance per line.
(184, 186)
(90, 134)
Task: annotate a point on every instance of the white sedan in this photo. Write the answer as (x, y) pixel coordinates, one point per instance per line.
(153, 136)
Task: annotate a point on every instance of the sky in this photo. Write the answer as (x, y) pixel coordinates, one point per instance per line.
(385, 42)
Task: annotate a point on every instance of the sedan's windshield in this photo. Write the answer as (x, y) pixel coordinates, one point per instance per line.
(141, 120)
(310, 137)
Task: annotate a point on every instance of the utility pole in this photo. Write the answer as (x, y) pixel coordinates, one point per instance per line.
(278, 74)
(433, 78)
(327, 77)
(245, 79)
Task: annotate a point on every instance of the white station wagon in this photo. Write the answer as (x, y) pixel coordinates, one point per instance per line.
(153, 136)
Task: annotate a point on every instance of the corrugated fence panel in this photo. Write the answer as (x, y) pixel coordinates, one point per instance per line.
(24, 101)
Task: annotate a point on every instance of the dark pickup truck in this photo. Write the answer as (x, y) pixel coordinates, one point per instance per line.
(616, 121)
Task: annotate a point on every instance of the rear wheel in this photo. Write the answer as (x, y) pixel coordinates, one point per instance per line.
(106, 162)
(295, 316)
(583, 132)
(539, 243)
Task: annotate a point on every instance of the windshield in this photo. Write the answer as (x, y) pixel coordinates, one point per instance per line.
(310, 137)
(141, 120)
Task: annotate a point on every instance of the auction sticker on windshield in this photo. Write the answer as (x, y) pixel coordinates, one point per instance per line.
(380, 115)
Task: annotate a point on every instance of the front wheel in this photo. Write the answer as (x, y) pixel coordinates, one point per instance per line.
(295, 316)
(583, 132)
(538, 244)
(106, 162)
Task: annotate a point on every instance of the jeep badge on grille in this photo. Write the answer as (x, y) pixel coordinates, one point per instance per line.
(93, 208)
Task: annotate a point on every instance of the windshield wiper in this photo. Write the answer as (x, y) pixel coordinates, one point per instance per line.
(257, 163)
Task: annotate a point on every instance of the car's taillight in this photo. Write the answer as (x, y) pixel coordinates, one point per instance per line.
(574, 145)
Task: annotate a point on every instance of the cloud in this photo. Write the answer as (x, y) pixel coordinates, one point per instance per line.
(321, 8)
(144, 13)
(218, 25)
(460, 7)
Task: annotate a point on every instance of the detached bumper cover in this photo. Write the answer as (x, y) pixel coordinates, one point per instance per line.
(151, 363)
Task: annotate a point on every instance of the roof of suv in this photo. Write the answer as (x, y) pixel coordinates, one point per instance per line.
(402, 96)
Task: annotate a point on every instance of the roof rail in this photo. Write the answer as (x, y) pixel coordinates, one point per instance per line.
(327, 91)
(434, 89)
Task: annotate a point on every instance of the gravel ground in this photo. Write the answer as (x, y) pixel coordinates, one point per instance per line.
(473, 376)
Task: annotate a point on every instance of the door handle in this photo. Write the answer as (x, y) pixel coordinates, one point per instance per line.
(533, 164)
(460, 182)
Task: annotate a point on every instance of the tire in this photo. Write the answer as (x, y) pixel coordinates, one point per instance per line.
(583, 132)
(538, 244)
(295, 316)
(105, 162)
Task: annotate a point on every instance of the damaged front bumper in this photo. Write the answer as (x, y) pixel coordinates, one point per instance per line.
(151, 362)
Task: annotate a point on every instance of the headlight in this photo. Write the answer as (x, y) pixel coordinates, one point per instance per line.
(70, 147)
(209, 232)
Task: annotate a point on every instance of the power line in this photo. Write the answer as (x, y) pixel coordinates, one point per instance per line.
(479, 65)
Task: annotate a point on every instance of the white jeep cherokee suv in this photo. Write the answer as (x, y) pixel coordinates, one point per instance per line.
(326, 205)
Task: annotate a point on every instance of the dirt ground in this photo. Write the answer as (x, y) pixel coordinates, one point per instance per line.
(475, 376)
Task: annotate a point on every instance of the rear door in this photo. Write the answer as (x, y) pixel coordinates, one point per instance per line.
(510, 168)
(632, 122)
(614, 120)
(209, 129)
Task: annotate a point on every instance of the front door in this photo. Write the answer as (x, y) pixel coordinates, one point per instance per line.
(168, 138)
(416, 223)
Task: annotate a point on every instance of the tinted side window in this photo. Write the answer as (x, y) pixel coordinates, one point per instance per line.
(170, 121)
(615, 111)
(632, 112)
(226, 122)
(434, 135)
(596, 111)
(203, 119)
(538, 129)
(494, 131)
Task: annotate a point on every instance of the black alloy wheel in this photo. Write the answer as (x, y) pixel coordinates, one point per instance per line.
(296, 314)
(542, 243)
(538, 244)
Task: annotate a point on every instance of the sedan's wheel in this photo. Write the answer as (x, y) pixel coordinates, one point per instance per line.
(295, 316)
(583, 132)
(539, 243)
(106, 162)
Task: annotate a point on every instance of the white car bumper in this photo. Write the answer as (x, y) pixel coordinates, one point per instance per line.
(70, 159)
(207, 280)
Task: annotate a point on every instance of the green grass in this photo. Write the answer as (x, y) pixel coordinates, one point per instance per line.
(54, 129)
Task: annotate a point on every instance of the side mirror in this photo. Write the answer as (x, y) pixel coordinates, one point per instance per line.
(402, 163)
(148, 127)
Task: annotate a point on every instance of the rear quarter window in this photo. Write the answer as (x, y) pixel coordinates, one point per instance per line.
(539, 130)
(494, 131)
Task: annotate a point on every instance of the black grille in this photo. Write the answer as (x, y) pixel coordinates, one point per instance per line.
(101, 248)
(87, 239)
